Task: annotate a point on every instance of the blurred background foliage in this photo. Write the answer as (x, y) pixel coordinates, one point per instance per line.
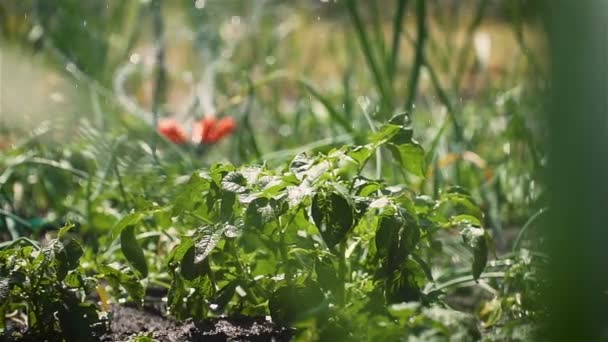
(83, 82)
(285, 69)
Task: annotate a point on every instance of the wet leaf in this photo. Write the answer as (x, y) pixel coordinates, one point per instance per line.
(206, 239)
(476, 240)
(260, 212)
(67, 257)
(410, 156)
(132, 251)
(234, 182)
(4, 290)
(333, 216)
(300, 164)
(129, 220)
(289, 304)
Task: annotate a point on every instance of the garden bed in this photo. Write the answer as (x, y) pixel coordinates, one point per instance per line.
(128, 323)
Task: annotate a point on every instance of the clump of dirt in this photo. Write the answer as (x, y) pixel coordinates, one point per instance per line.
(126, 323)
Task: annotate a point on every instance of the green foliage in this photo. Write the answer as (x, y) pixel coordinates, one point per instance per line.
(298, 240)
(48, 284)
(316, 237)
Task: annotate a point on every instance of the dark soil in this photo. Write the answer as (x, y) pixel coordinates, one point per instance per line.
(126, 323)
(129, 322)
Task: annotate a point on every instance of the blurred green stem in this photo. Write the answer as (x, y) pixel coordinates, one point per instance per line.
(342, 270)
(575, 231)
(160, 84)
(398, 24)
(445, 99)
(419, 58)
(384, 92)
(526, 227)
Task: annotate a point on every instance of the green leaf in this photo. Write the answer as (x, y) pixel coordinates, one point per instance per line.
(384, 134)
(298, 194)
(178, 253)
(67, 257)
(129, 220)
(127, 280)
(260, 212)
(289, 304)
(206, 239)
(410, 156)
(64, 230)
(4, 290)
(365, 187)
(132, 251)
(301, 163)
(404, 311)
(360, 154)
(227, 205)
(190, 193)
(396, 238)
(188, 268)
(327, 274)
(78, 320)
(477, 240)
(333, 216)
(234, 182)
(218, 171)
(455, 204)
(144, 338)
(400, 119)
(402, 285)
(224, 295)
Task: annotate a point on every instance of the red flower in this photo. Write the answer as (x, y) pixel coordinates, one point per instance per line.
(171, 130)
(210, 130)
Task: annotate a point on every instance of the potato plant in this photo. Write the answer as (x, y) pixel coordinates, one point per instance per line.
(216, 168)
(314, 244)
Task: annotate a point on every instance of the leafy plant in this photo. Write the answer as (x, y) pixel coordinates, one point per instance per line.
(365, 241)
(48, 285)
(306, 242)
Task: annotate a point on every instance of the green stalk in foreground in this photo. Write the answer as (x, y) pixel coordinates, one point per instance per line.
(575, 289)
(419, 58)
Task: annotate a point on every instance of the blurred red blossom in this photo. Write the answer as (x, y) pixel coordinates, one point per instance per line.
(171, 130)
(211, 130)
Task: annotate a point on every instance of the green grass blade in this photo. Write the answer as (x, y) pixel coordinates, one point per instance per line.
(333, 112)
(398, 23)
(367, 48)
(419, 58)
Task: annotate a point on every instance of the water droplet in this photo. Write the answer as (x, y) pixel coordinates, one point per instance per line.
(135, 58)
(271, 60)
(200, 4)
(35, 33)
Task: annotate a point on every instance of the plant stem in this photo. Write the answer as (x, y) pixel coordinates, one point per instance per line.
(368, 52)
(445, 99)
(525, 228)
(343, 273)
(161, 71)
(419, 58)
(398, 23)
